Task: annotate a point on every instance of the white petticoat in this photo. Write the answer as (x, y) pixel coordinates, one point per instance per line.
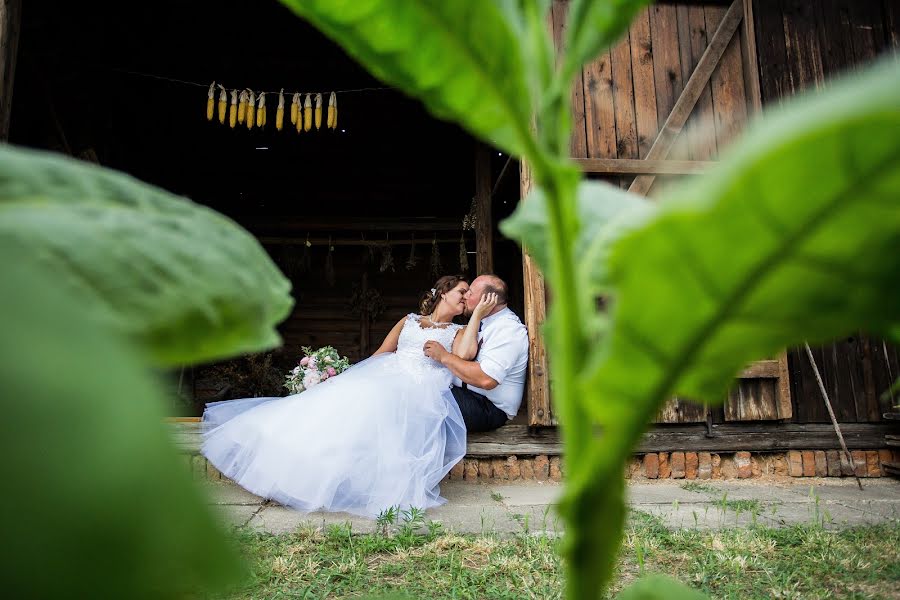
(381, 434)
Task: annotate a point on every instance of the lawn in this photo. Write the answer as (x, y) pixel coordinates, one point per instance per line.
(795, 562)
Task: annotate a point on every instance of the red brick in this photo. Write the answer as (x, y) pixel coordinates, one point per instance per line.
(541, 468)
(795, 463)
(691, 463)
(485, 468)
(833, 460)
(859, 461)
(512, 467)
(742, 465)
(458, 470)
(846, 469)
(872, 467)
(526, 468)
(555, 469)
(704, 468)
(651, 466)
(809, 463)
(716, 466)
(821, 464)
(498, 469)
(665, 471)
(676, 461)
(471, 467)
(756, 464)
(884, 456)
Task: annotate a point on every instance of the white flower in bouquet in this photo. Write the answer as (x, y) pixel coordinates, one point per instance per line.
(311, 378)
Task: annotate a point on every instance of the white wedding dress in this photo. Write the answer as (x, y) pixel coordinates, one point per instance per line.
(383, 433)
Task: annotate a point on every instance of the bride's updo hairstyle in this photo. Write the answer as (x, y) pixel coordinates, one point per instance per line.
(431, 298)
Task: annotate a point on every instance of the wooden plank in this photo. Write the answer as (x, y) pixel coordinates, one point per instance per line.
(599, 108)
(750, 61)
(785, 405)
(578, 142)
(727, 83)
(866, 34)
(484, 224)
(774, 79)
(623, 100)
(701, 134)
(804, 57)
(752, 400)
(834, 43)
(692, 91)
(633, 166)
(667, 72)
(644, 89)
(10, 28)
(892, 23)
(755, 437)
(761, 369)
(538, 384)
(678, 410)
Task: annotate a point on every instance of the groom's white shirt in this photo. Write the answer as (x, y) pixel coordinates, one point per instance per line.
(503, 356)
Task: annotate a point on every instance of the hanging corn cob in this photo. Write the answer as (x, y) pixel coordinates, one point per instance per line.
(331, 121)
(307, 113)
(295, 108)
(251, 110)
(223, 104)
(233, 110)
(242, 106)
(211, 101)
(318, 111)
(261, 110)
(279, 112)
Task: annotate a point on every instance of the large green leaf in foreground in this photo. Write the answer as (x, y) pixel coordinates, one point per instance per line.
(95, 502)
(461, 58)
(795, 236)
(183, 281)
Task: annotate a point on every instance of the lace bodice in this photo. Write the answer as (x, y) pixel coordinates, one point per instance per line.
(412, 339)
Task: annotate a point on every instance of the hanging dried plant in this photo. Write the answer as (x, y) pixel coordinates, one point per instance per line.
(290, 261)
(468, 222)
(387, 256)
(368, 253)
(306, 259)
(413, 259)
(329, 265)
(436, 268)
(463, 255)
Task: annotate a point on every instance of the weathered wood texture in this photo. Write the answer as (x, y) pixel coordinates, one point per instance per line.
(484, 224)
(800, 46)
(10, 26)
(520, 439)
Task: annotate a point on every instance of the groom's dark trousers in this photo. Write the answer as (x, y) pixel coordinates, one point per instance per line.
(479, 413)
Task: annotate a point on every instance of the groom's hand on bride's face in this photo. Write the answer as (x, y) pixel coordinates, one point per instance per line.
(435, 350)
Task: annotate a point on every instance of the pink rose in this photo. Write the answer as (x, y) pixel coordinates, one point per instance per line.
(304, 361)
(331, 372)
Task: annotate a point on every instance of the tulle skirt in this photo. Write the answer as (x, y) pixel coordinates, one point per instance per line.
(379, 435)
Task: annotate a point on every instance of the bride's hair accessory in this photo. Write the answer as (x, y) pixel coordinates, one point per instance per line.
(433, 292)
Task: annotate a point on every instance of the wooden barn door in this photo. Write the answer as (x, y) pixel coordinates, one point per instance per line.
(658, 105)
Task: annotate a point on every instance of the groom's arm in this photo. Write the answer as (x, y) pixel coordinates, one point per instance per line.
(468, 371)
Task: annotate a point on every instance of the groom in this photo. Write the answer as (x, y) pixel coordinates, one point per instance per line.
(489, 389)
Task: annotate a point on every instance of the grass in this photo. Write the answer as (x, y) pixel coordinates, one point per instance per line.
(795, 562)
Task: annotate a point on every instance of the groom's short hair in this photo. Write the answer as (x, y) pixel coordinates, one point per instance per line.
(497, 286)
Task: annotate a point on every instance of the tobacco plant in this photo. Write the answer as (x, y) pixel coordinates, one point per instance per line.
(795, 235)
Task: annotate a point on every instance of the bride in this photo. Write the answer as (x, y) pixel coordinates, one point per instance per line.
(383, 433)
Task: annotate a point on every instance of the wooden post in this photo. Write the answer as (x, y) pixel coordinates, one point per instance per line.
(484, 225)
(751, 62)
(10, 24)
(538, 383)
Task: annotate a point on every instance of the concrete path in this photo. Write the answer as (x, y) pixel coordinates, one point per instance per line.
(529, 507)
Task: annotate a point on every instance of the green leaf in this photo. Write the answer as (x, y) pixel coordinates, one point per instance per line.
(606, 214)
(97, 503)
(185, 282)
(794, 237)
(594, 25)
(659, 587)
(460, 58)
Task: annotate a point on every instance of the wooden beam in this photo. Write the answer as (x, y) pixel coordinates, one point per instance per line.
(761, 368)
(10, 26)
(783, 403)
(484, 224)
(750, 59)
(636, 166)
(692, 91)
(537, 386)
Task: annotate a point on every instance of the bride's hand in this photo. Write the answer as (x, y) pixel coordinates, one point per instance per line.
(485, 305)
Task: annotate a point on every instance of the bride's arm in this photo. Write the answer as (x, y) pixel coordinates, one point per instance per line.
(465, 344)
(390, 341)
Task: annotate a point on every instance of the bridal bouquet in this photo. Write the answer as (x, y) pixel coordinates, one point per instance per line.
(315, 367)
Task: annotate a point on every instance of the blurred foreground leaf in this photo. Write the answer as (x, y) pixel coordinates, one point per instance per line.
(186, 283)
(95, 501)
